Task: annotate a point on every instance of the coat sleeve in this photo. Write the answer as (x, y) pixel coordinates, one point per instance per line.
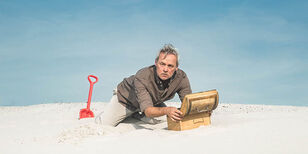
(143, 96)
(184, 88)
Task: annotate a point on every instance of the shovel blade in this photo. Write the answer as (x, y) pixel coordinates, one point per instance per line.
(85, 113)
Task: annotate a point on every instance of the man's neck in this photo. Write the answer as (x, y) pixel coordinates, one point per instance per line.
(161, 84)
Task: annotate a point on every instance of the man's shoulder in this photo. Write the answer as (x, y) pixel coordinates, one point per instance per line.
(180, 73)
(145, 72)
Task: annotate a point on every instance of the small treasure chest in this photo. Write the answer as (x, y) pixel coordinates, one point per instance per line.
(196, 109)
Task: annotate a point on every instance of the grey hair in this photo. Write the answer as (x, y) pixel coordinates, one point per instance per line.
(168, 49)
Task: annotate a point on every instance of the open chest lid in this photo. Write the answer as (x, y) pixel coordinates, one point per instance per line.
(199, 102)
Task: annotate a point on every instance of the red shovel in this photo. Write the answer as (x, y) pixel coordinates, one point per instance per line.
(87, 113)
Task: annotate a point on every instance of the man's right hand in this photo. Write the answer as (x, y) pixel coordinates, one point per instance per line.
(174, 113)
(171, 112)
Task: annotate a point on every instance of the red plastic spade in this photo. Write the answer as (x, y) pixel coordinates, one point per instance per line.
(87, 113)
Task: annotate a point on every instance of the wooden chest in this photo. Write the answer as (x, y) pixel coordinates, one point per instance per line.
(190, 122)
(196, 109)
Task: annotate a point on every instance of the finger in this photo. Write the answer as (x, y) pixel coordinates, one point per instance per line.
(179, 113)
(173, 119)
(176, 118)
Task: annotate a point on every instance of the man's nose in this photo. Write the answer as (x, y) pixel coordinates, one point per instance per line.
(165, 69)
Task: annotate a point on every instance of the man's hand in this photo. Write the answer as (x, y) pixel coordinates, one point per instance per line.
(171, 112)
(174, 113)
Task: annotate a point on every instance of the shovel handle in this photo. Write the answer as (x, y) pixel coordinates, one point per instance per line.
(91, 89)
(92, 76)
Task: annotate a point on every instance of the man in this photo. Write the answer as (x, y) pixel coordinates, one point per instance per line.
(146, 91)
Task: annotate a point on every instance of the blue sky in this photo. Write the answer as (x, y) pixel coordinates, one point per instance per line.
(252, 52)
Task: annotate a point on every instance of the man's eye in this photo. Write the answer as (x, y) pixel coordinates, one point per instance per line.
(162, 64)
(170, 66)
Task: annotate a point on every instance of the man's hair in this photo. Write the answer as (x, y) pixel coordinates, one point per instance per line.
(169, 49)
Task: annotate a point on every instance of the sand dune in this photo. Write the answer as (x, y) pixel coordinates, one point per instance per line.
(235, 128)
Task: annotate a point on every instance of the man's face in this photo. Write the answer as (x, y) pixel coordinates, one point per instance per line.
(166, 66)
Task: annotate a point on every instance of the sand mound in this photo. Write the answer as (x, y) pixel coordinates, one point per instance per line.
(236, 128)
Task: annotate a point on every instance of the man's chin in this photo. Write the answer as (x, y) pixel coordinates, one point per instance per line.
(164, 77)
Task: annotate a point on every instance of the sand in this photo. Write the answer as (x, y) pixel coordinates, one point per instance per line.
(235, 128)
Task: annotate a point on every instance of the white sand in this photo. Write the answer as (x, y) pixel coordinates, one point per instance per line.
(247, 129)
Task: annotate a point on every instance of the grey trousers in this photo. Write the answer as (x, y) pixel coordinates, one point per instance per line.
(115, 112)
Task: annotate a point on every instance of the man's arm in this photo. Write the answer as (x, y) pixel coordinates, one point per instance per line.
(171, 112)
(184, 88)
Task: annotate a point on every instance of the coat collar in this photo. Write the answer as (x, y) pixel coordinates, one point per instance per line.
(162, 84)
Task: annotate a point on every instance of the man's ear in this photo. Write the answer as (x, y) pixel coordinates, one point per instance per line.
(176, 69)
